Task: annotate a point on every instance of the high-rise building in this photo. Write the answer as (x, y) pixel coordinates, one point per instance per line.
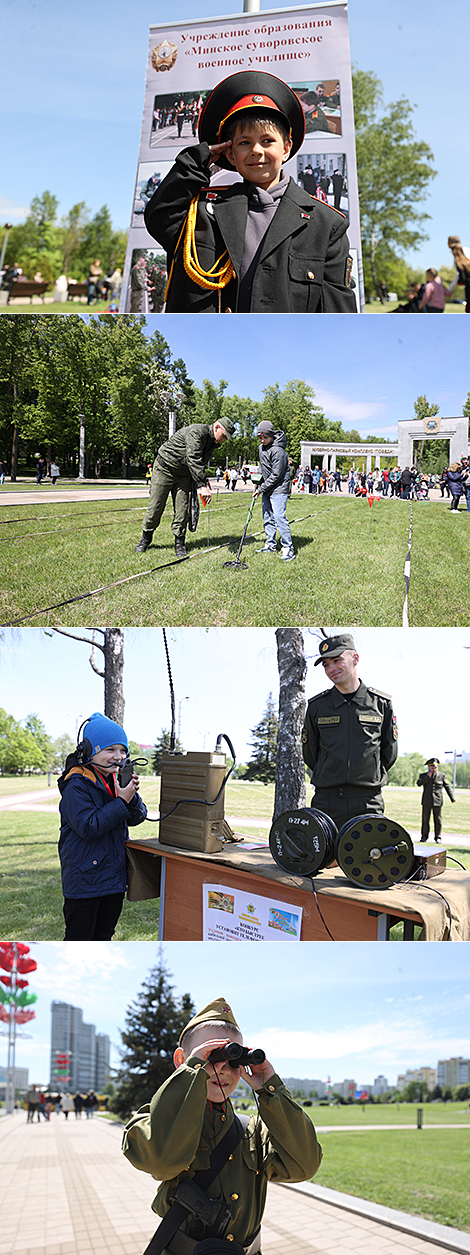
(88, 1050)
(453, 1072)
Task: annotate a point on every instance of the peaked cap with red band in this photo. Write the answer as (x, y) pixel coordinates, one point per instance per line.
(218, 1010)
(251, 90)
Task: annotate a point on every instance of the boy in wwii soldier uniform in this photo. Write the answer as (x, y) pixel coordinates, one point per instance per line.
(175, 1136)
(259, 246)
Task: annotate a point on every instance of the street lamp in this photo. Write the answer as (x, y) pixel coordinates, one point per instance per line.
(172, 402)
(455, 757)
(180, 703)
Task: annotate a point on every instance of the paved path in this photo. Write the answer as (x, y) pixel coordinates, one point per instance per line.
(67, 1190)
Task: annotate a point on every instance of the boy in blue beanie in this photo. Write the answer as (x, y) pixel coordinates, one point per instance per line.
(95, 815)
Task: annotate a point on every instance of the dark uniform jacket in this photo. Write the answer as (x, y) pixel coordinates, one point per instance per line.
(173, 1136)
(93, 835)
(350, 742)
(187, 453)
(432, 788)
(303, 265)
(274, 465)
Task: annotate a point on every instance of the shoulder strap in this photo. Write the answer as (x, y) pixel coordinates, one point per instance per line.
(177, 1213)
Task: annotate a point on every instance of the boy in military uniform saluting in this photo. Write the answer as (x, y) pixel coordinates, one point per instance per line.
(349, 737)
(433, 782)
(262, 245)
(175, 1136)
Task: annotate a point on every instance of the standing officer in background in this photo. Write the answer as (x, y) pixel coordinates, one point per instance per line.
(349, 737)
(433, 782)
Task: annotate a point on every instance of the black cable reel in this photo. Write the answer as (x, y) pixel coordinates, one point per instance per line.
(303, 842)
(374, 852)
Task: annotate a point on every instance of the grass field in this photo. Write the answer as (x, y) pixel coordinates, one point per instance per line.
(30, 890)
(349, 566)
(423, 1172)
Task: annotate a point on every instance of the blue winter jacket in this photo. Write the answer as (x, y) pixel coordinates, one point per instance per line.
(93, 835)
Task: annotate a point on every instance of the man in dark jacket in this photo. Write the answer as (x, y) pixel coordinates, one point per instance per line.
(258, 246)
(95, 815)
(275, 485)
(180, 461)
(432, 783)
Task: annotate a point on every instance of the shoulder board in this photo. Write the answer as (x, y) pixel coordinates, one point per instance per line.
(379, 693)
(322, 202)
(317, 696)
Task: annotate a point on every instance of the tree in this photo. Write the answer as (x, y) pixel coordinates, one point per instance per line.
(290, 766)
(262, 764)
(394, 170)
(19, 752)
(433, 454)
(406, 769)
(161, 747)
(154, 1023)
(34, 725)
(112, 648)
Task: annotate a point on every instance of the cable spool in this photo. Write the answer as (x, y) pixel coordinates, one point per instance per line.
(374, 852)
(303, 842)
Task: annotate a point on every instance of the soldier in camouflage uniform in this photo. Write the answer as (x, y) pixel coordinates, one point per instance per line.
(181, 460)
(173, 1136)
(349, 737)
(433, 782)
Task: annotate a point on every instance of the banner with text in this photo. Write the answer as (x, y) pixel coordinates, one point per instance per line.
(308, 48)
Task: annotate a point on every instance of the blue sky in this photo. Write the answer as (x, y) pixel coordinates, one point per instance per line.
(344, 1010)
(366, 374)
(73, 84)
(226, 674)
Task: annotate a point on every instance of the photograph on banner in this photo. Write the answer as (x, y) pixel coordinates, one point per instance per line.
(306, 48)
(233, 915)
(148, 281)
(149, 177)
(325, 175)
(321, 104)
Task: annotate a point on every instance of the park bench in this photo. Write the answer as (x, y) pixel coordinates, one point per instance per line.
(76, 289)
(27, 288)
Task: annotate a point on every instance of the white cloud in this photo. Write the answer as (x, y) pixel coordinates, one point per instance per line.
(396, 1042)
(352, 413)
(82, 969)
(9, 210)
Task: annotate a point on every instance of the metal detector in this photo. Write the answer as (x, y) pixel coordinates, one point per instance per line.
(236, 565)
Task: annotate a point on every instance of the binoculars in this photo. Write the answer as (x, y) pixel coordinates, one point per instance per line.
(234, 1055)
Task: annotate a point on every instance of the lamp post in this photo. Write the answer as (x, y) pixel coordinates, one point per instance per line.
(455, 756)
(172, 402)
(81, 458)
(8, 226)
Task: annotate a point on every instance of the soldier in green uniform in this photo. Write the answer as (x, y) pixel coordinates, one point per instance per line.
(181, 460)
(433, 782)
(173, 1136)
(349, 737)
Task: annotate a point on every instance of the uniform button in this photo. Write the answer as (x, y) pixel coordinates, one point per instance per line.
(234, 1196)
(230, 1237)
(257, 1172)
(272, 1088)
(230, 1156)
(222, 1117)
(310, 274)
(95, 860)
(227, 310)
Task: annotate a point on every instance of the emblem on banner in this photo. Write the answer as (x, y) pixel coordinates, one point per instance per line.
(431, 424)
(164, 56)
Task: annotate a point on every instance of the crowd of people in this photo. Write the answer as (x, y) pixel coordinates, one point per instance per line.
(430, 297)
(42, 1103)
(176, 114)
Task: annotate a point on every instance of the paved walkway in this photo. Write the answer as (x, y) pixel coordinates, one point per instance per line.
(67, 1190)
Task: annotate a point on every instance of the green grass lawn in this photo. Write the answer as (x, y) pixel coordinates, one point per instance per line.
(54, 307)
(349, 566)
(422, 1172)
(30, 889)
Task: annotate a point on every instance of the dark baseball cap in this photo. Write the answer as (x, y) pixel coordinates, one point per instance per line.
(333, 646)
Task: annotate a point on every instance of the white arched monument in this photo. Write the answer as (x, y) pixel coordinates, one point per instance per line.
(455, 430)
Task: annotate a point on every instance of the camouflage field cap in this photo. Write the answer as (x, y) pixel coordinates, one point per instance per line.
(218, 1010)
(333, 646)
(228, 426)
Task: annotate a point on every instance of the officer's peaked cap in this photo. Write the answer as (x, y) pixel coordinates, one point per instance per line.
(219, 1009)
(255, 91)
(333, 646)
(431, 761)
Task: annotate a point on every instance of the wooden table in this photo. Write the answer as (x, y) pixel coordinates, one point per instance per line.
(350, 913)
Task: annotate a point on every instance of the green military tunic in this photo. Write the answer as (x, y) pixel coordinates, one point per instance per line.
(179, 460)
(349, 745)
(174, 1135)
